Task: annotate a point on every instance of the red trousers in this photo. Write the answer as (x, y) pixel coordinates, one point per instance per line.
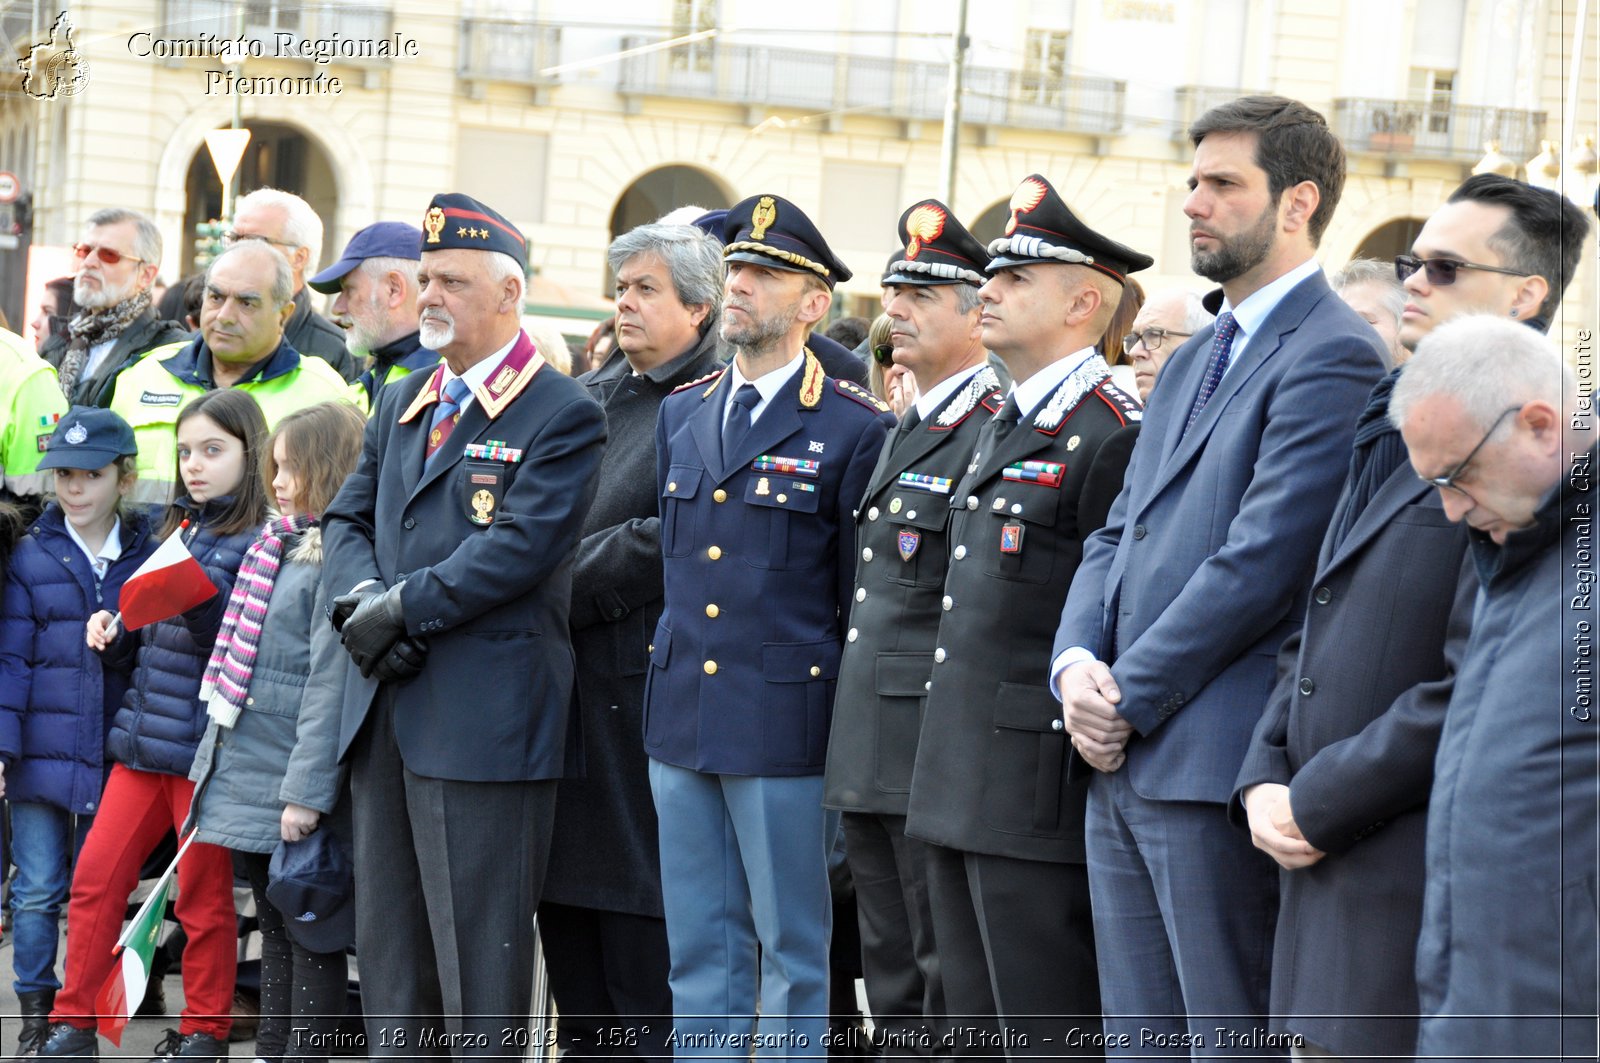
(137, 808)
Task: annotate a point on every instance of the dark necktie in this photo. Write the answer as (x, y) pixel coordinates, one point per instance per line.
(908, 425)
(1221, 349)
(738, 426)
(1006, 420)
(446, 414)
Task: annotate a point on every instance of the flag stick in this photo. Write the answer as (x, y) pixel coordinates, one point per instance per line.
(154, 893)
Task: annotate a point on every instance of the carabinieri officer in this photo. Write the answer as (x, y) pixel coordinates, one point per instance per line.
(760, 467)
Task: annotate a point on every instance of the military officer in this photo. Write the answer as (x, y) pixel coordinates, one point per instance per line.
(990, 789)
(451, 549)
(759, 468)
(931, 297)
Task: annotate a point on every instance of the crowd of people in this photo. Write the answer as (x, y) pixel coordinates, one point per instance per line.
(1097, 674)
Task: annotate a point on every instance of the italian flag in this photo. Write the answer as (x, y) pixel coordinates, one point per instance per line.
(169, 582)
(120, 997)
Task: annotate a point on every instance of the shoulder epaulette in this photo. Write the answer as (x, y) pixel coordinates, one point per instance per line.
(850, 389)
(713, 375)
(1122, 404)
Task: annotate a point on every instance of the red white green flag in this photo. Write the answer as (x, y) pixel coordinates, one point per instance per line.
(169, 582)
(124, 989)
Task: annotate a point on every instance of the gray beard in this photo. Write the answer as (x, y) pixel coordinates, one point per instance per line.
(436, 334)
(760, 337)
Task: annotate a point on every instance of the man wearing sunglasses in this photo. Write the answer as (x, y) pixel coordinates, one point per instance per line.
(931, 298)
(1498, 429)
(117, 261)
(1496, 246)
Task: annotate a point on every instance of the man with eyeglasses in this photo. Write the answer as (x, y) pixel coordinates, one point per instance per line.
(117, 261)
(1335, 785)
(288, 223)
(1497, 246)
(1498, 429)
(1164, 321)
(931, 298)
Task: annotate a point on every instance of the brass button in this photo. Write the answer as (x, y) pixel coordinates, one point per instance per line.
(713, 552)
(719, 495)
(782, 498)
(711, 668)
(712, 610)
(816, 670)
(671, 487)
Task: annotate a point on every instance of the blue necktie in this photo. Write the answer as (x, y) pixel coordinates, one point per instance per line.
(744, 400)
(446, 414)
(1221, 348)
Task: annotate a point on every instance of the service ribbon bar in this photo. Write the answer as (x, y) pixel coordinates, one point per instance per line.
(917, 481)
(493, 450)
(1047, 473)
(787, 466)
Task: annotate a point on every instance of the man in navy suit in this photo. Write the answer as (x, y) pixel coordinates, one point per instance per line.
(760, 467)
(1168, 640)
(451, 550)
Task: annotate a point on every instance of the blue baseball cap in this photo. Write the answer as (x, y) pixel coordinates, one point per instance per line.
(312, 883)
(384, 239)
(87, 437)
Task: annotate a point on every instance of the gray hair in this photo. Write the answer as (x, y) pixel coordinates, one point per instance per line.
(1359, 271)
(282, 290)
(1486, 363)
(967, 299)
(502, 267)
(693, 260)
(301, 227)
(1195, 314)
(146, 237)
(377, 266)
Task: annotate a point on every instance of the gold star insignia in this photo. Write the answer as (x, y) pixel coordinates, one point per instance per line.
(483, 234)
(461, 230)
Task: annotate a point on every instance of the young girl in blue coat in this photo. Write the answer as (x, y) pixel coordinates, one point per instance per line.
(56, 702)
(153, 740)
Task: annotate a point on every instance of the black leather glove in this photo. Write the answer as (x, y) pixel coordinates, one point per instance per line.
(403, 661)
(373, 629)
(346, 604)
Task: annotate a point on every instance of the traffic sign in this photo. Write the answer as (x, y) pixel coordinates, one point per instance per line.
(10, 187)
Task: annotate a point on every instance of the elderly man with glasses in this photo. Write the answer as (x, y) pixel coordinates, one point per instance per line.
(1164, 321)
(287, 222)
(1336, 784)
(117, 261)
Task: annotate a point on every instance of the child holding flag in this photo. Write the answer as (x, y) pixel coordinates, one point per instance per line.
(273, 691)
(153, 739)
(56, 701)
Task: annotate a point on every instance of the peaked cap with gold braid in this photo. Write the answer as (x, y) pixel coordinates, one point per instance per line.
(770, 231)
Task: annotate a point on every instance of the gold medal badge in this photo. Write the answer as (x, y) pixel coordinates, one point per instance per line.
(762, 217)
(482, 507)
(433, 222)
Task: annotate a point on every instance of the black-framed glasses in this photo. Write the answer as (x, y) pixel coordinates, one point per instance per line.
(883, 354)
(105, 254)
(1153, 339)
(233, 236)
(1442, 271)
(1447, 482)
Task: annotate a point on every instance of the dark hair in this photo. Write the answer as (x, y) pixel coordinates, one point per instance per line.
(324, 442)
(237, 414)
(848, 331)
(1293, 144)
(1544, 236)
(66, 305)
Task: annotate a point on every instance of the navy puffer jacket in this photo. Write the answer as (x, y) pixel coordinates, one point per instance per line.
(161, 720)
(56, 700)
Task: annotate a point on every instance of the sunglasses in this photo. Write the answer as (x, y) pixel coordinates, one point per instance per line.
(1442, 271)
(883, 354)
(105, 254)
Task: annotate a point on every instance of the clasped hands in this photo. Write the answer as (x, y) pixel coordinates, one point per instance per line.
(1089, 699)
(372, 626)
(1273, 829)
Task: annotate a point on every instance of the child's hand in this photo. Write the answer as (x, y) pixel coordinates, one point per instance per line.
(99, 633)
(298, 822)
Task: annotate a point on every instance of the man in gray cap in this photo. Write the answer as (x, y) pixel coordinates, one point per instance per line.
(375, 281)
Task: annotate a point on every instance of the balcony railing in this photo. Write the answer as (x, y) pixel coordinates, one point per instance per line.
(1192, 101)
(830, 83)
(280, 28)
(1407, 128)
(507, 50)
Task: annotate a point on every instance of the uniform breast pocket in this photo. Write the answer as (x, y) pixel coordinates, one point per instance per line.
(1023, 544)
(677, 509)
(482, 488)
(782, 533)
(918, 559)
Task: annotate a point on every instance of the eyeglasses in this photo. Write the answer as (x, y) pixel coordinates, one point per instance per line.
(1447, 482)
(232, 237)
(883, 354)
(1442, 271)
(105, 254)
(1153, 339)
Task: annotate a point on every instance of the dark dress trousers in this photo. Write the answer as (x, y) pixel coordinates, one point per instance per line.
(1352, 728)
(990, 789)
(600, 919)
(877, 713)
(452, 771)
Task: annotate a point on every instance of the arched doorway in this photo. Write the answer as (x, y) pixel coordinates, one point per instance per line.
(1389, 239)
(991, 224)
(279, 156)
(665, 189)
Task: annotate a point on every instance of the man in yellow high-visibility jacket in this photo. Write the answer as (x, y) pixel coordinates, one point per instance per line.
(30, 405)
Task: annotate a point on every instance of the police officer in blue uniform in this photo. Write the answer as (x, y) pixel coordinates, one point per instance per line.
(450, 550)
(931, 297)
(993, 789)
(760, 467)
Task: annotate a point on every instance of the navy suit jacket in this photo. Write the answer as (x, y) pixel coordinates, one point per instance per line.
(1201, 570)
(759, 565)
(492, 599)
